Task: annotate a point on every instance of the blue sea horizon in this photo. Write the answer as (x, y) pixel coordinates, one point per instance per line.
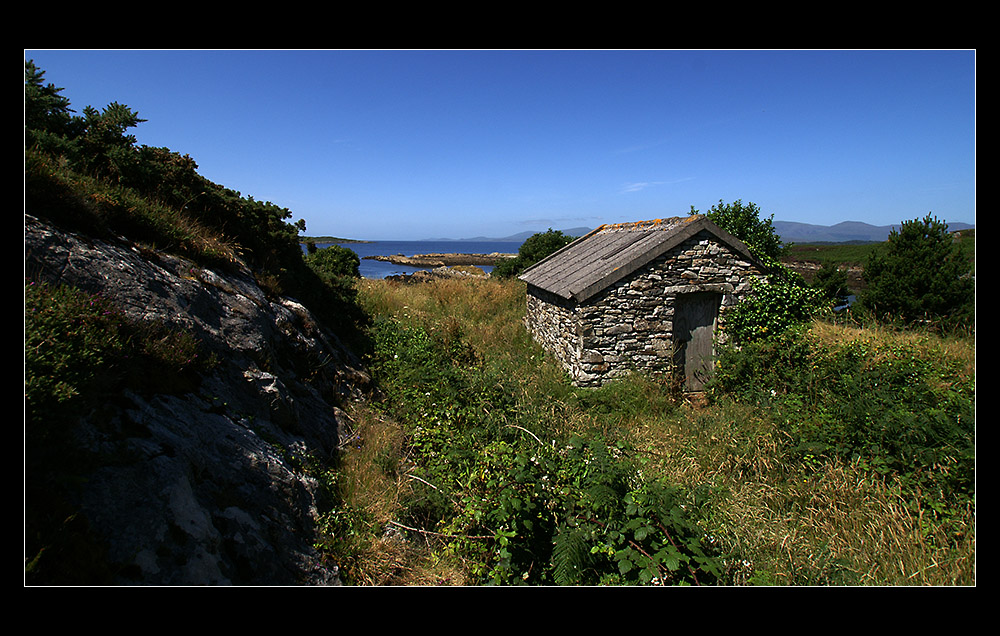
(382, 269)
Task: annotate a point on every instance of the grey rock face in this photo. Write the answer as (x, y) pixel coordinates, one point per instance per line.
(201, 488)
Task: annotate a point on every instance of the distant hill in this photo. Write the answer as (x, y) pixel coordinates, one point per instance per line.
(845, 232)
(517, 238)
(789, 231)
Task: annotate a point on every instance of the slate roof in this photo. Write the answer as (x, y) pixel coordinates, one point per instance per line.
(601, 258)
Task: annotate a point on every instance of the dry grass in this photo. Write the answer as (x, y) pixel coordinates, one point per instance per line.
(373, 478)
(834, 525)
(876, 338)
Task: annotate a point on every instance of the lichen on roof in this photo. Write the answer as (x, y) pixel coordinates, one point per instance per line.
(652, 224)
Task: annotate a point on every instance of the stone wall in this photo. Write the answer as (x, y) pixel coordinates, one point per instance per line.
(629, 326)
(554, 323)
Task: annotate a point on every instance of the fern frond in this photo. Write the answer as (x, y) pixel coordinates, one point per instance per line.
(569, 556)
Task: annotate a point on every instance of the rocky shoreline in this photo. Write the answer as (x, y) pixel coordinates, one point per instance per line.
(443, 260)
(438, 273)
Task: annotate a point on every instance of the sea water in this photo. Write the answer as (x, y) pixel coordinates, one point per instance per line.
(381, 269)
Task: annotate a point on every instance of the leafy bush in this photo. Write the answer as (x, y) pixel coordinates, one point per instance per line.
(746, 223)
(334, 261)
(516, 509)
(771, 308)
(534, 249)
(832, 282)
(579, 515)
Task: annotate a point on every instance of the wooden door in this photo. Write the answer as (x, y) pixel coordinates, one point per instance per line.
(695, 317)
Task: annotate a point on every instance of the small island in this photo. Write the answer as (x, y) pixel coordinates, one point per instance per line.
(443, 260)
(317, 240)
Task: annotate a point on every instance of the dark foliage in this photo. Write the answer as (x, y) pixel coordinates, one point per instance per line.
(920, 275)
(86, 172)
(534, 249)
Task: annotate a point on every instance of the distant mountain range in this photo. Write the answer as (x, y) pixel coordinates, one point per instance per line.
(517, 238)
(845, 232)
(789, 231)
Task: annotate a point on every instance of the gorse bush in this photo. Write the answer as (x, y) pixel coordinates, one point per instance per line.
(79, 346)
(80, 353)
(86, 172)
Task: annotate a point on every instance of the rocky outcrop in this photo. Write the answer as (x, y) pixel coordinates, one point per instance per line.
(203, 487)
(438, 273)
(443, 260)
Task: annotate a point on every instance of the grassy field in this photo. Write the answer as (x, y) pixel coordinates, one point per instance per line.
(848, 461)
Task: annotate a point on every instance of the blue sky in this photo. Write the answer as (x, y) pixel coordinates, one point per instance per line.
(421, 144)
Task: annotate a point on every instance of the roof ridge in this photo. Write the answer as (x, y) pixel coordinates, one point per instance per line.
(669, 222)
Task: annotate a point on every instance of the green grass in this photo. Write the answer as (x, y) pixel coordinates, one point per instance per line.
(857, 254)
(832, 253)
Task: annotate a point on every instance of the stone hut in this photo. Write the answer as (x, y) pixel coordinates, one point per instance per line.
(650, 297)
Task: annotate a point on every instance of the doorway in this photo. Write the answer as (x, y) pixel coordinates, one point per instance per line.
(695, 318)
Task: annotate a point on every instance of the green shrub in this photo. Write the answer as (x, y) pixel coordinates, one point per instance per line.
(534, 249)
(832, 283)
(80, 347)
(746, 223)
(87, 173)
(333, 261)
(920, 274)
(516, 509)
(80, 352)
(772, 308)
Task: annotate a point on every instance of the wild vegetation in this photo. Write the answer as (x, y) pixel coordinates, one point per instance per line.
(834, 449)
(87, 173)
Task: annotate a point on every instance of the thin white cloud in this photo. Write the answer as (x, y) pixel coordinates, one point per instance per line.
(637, 186)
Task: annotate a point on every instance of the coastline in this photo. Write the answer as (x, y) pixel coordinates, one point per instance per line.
(442, 259)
